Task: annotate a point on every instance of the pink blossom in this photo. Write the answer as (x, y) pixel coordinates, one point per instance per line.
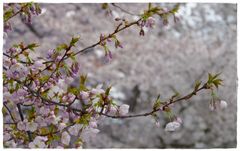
(179, 120)
(6, 136)
(50, 53)
(150, 22)
(38, 65)
(157, 124)
(113, 110)
(84, 95)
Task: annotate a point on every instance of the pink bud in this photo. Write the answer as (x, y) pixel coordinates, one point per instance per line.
(157, 124)
(179, 120)
(211, 107)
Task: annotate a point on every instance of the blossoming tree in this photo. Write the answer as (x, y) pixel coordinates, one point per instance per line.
(40, 111)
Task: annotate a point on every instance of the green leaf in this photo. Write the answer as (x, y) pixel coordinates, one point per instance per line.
(74, 41)
(62, 47)
(157, 103)
(73, 90)
(197, 84)
(84, 119)
(215, 76)
(104, 5)
(83, 79)
(149, 6)
(175, 9)
(217, 82)
(56, 137)
(210, 78)
(8, 14)
(44, 78)
(108, 90)
(32, 46)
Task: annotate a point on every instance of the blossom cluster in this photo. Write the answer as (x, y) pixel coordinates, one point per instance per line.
(39, 103)
(26, 11)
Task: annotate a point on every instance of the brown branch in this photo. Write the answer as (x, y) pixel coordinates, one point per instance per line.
(99, 42)
(10, 113)
(22, 118)
(125, 11)
(57, 66)
(22, 9)
(186, 97)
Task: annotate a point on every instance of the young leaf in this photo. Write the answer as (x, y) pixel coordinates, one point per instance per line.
(157, 103)
(197, 84)
(74, 41)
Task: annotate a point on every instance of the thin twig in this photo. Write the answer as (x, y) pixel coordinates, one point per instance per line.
(10, 113)
(22, 118)
(22, 8)
(125, 11)
(188, 96)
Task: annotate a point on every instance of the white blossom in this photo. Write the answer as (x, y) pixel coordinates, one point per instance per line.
(93, 124)
(172, 126)
(97, 91)
(89, 133)
(21, 125)
(211, 107)
(61, 126)
(74, 130)
(223, 104)
(31, 126)
(123, 109)
(38, 142)
(38, 65)
(65, 139)
(44, 111)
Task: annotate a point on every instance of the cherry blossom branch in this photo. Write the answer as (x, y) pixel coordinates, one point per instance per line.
(186, 97)
(117, 30)
(16, 13)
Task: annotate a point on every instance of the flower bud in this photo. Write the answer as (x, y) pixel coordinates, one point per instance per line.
(179, 120)
(157, 124)
(223, 104)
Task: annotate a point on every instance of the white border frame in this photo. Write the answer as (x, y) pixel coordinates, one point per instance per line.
(123, 1)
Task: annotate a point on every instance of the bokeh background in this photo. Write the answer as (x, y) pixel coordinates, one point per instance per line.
(166, 59)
